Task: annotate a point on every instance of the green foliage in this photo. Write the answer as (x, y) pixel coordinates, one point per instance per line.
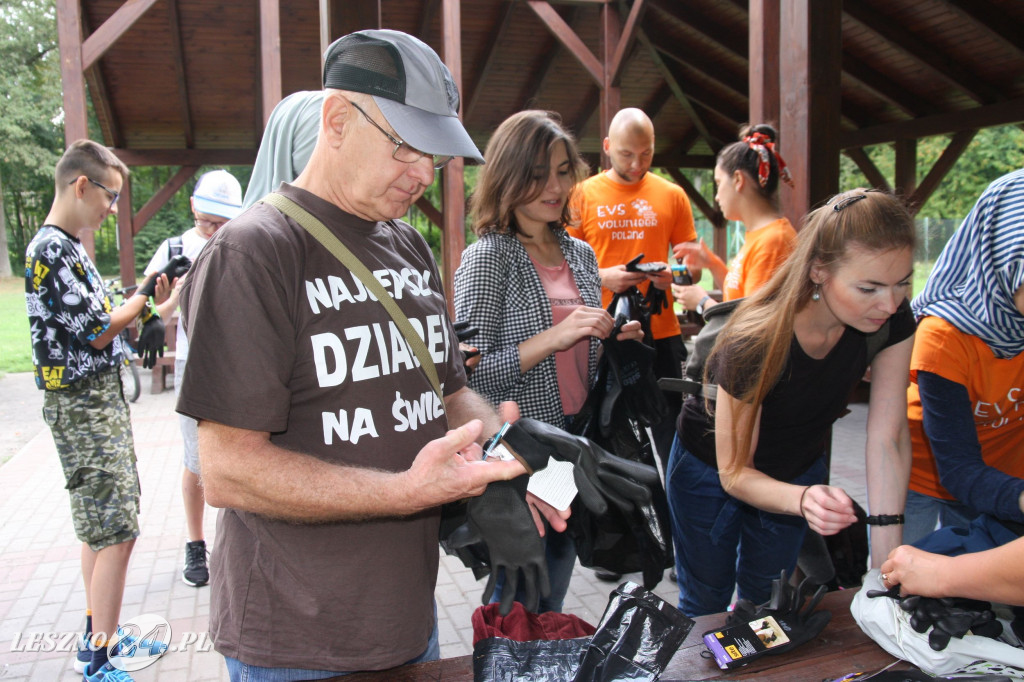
(992, 153)
(31, 118)
(15, 341)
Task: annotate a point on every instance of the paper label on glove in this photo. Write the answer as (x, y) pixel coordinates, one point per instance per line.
(554, 484)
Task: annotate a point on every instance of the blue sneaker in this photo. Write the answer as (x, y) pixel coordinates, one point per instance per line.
(107, 673)
(84, 655)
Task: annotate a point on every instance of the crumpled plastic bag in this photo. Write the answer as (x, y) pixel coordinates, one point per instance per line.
(638, 635)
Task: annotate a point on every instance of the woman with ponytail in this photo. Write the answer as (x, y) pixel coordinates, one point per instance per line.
(747, 175)
(746, 472)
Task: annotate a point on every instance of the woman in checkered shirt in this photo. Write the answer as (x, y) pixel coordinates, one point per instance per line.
(533, 291)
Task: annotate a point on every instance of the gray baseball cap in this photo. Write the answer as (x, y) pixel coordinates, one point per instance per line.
(410, 84)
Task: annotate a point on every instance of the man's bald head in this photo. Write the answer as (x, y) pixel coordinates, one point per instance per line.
(631, 122)
(630, 145)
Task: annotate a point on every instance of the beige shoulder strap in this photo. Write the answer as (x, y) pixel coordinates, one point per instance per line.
(320, 232)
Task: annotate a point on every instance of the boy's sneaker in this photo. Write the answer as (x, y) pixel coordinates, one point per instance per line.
(196, 573)
(107, 673)
(84, 656)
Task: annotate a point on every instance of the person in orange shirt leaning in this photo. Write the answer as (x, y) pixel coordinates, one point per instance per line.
(625, 211)
(747, 175)
(966, 397)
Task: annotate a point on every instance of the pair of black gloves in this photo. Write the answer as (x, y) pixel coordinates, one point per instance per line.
(151, 332)
(946, 617)
(501, 517)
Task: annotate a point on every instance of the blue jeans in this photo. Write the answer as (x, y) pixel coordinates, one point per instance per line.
(925, 513)
(560, 554)
(243, 672)
(724, 544)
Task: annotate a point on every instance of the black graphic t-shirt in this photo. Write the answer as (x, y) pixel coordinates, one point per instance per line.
(68, 307)
(284, 339)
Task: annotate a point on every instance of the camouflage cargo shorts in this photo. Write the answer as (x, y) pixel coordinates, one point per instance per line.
(93, 432)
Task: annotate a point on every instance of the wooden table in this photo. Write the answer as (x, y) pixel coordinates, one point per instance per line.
(840, 649)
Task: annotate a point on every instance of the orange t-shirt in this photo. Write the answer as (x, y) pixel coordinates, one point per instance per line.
(763, 251)
(621, 221)
(995, 387)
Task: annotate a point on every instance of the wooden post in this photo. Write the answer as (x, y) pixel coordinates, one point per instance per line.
(453, 236)
(809, 72)
(270, 55)
(126, 234)
(72, 78)
(764, 61)
(611, 29)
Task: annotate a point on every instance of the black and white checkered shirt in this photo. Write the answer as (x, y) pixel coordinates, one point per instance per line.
(498, 291)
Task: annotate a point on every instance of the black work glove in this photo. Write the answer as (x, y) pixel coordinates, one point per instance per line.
(800, 622)
(501, 518)
(151, 340)
(632, 386)
(176, 267)
(947, 617)
(600, 476)
(463, 331)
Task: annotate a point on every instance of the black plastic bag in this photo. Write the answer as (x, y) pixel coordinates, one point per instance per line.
(638, 635)
(636, 638)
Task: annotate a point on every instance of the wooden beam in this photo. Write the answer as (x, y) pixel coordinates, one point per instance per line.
(709, 98)
(671, 159)
(430, 8)
(695, 59)
(453, 190)
(112, 29)
(997, 22)
(613, 69)
(565, 35)
(431, 212)
(126, 235)
(905, 175)
(656, 102)
(161, 197)
(936, 60)
(69, 38)
(188, 157)
(953, 151)
(487, 63)
(695, 20)
(1003, 113)
(178, 57)
(110, 127)
(884, 87)
(610, 95)
(763, 69)
(676, 89)
(875, 177)
(270, 56)
(590, 106)
(696, 198)
(540, 75)
(810, 43)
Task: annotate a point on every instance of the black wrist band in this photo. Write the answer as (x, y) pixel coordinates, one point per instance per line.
(885, 520)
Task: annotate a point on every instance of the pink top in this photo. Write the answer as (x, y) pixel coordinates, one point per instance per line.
(570, 365)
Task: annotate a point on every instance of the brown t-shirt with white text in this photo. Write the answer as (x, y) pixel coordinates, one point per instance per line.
(284, 339)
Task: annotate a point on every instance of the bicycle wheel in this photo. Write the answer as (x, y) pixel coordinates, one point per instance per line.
(130, 380)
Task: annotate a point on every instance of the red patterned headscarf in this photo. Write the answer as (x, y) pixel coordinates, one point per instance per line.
(762, 144)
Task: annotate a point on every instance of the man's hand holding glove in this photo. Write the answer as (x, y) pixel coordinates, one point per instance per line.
(600, 476)
(175, 268)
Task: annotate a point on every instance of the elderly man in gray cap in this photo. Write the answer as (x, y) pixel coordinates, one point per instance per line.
(325, 417)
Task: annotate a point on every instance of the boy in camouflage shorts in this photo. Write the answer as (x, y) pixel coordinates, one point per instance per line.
(77, 353)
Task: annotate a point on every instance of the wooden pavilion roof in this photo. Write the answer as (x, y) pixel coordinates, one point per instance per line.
(186, 75)
(191, 82)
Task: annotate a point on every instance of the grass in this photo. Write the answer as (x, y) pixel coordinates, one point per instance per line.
(15, 341)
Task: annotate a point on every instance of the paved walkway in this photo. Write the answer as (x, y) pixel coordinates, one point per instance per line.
(40, 583)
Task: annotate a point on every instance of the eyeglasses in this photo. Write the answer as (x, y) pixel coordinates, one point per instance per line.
(403, 151)
(113, 195)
